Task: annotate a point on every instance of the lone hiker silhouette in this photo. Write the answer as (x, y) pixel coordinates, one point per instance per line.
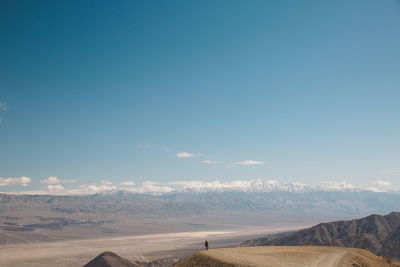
(206, 244)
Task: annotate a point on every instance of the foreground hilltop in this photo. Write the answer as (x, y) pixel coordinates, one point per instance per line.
(375, 233)
(295, 256)
(284, 256)
(110, 259)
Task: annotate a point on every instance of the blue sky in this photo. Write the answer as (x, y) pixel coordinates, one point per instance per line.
(296, 91)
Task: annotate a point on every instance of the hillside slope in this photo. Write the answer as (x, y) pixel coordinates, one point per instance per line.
(109, 259)
(376, 233)
(284, 256)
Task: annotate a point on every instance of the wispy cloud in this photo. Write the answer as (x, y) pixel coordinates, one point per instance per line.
(24, 181)
(128, 183)
(55, 180)
(185, 155)
(250, 162)
(209, 161)
(106, 182)
(381, 183)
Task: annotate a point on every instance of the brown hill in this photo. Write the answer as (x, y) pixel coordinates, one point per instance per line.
(285, 257)
(110, 259)
(376, 233)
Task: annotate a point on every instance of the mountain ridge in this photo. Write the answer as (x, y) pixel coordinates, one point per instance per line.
(250, 186)
(376, 233)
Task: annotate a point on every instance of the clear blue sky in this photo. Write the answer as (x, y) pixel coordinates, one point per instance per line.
(100, 90)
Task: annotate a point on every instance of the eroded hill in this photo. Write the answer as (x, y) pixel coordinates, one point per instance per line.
(375, 233)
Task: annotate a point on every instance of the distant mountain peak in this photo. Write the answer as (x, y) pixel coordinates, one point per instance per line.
(113, 192)
(255, 186)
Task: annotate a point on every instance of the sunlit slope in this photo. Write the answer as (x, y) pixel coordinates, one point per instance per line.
(284, 256)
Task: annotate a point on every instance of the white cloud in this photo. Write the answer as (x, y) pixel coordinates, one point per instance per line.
(82, 189)
(106, 182)
(145, 188)
(337, 185)
(185, 155)
(150, 187)
(381, 183)
(209, 161)
(55, 188)
(251, 162)
(93, 188)
(24, 181)
(128, 183)
(55, 180)
(58, 189)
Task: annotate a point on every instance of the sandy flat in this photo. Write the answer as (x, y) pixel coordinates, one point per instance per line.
(137, 247)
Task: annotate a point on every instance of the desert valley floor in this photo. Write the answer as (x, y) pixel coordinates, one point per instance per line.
(139, 247)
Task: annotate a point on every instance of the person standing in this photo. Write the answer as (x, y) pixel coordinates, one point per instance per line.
(206, 244)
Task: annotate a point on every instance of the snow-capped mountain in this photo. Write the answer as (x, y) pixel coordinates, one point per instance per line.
(254, 186)
(251, 186)
(244, 186)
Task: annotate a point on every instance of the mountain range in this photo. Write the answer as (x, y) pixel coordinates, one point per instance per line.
(27, 218)
(247, 186)
(190, 203)
(375, 233)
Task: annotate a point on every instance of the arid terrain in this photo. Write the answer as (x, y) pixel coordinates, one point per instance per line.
(72, 230)
(46, 218)
(375, 233)
(173, 246)
(306, 256)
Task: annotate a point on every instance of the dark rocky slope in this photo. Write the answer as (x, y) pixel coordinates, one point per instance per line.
(376, 233)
